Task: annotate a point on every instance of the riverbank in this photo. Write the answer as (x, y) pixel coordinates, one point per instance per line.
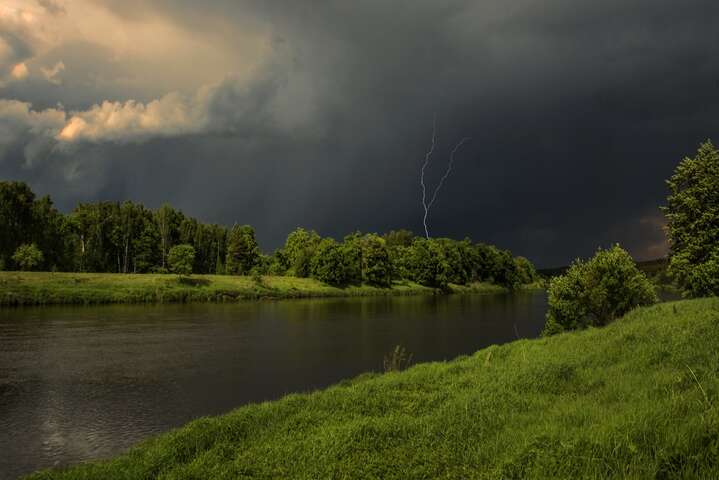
(46, 288)
(634, 399)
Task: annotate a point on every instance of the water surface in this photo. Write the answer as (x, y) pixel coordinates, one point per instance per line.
(81, 383)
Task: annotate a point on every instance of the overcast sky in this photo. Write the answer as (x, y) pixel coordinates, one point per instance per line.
(289, 113)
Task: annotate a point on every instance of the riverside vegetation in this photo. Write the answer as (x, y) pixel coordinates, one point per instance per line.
(139, 246)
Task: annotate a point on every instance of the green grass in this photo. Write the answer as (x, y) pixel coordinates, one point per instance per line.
(43, 288)
(636, 399)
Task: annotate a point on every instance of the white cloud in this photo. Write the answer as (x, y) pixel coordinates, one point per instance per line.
(229, 107)
(224, 108)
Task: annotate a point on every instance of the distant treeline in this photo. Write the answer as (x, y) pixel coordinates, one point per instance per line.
(130, 238)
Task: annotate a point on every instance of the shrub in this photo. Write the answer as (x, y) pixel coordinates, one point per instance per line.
(397, 360)
(596, 292)
(692, 210)
(28, 256)
(181, 258)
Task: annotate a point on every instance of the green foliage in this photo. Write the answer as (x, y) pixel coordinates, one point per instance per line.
(243, 252)
(181, 258)
(28, 257)
(692, 211)
(16, 216)
(398, 238)
(129, 238)
(635, 400)
(424, 266)
(526, 273)
(596, 292)
(352, 249)
(299, 250)
(329, 263)
(376, 264)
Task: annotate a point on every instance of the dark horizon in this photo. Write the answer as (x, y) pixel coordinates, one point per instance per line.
(283, 115)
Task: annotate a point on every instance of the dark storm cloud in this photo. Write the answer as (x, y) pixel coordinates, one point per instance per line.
(577, 111)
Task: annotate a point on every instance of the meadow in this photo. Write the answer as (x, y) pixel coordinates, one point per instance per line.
(46, 288)
(635, 399)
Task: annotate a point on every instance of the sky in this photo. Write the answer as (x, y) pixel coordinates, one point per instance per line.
(320, 114)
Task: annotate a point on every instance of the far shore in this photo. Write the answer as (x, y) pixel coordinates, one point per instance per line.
(50, 288)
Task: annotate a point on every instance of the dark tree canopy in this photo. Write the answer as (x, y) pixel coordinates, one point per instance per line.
(243, 253)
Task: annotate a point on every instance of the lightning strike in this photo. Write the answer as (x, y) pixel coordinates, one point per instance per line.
(428, 205)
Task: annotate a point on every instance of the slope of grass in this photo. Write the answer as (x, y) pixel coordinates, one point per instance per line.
(41, 288)
(636, 399)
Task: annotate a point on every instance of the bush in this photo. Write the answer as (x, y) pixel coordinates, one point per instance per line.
(597, 292)
(397, 360)
(181, 258)
(692, 211)
(28, 256)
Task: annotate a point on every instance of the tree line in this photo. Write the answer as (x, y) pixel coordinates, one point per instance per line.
(131, 238)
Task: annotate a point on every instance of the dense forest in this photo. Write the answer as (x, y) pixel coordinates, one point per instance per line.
(130, 238)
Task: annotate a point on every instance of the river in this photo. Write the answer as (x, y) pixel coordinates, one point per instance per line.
(82, 383)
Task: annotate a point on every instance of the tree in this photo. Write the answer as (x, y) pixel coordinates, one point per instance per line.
(28, 256)
(692, 211)
(299, 250)
(596, 292)
(164, 217)
(181, 258)
(526, 273)
(329, 263)
(427, 263)
(376, 264)
(352, 250)
(398, 238)
(242, 250)
(16, 216)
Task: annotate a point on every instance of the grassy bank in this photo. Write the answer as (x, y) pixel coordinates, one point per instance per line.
(44, 288)
(637, 399)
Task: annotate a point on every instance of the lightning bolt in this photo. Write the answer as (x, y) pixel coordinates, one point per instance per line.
(421, 177)
(428, 205)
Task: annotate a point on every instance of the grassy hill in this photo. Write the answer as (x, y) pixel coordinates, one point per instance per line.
(637, 399)
(41, 288)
